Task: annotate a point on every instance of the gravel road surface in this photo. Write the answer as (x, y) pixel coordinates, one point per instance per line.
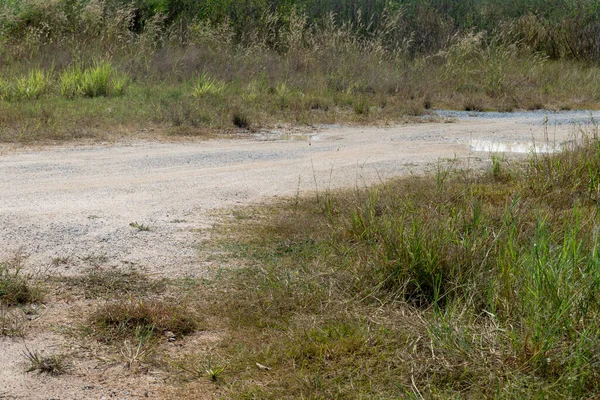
(67, 207)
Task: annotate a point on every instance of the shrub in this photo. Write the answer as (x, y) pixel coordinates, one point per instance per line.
(240, 119)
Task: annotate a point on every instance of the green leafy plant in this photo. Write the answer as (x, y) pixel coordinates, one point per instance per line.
(206, 85)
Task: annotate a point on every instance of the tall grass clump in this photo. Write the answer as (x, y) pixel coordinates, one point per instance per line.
(206, 85)
(99, 80)
(30, 86)
(495, 272)
(144, 316)
(70, 82)
(95, 81)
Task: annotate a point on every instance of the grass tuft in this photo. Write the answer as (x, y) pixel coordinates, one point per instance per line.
(16, 287)
(145, 317)
(26, 87)
(140, 227)
(95, 81)
(207, 85)
(49, 364)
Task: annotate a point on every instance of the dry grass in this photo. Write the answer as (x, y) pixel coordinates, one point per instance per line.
(12, 321)
(100, 282)
(463, 284)
(48, 364)
(144, 317)
(17, 287)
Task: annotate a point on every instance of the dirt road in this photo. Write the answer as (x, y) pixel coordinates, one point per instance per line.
(68, 207)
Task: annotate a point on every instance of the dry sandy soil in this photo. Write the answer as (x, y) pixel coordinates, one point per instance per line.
(68, 207)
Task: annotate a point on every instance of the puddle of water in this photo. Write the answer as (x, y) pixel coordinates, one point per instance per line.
(491, 146)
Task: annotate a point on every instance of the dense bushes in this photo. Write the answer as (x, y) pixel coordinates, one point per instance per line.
(558, 28)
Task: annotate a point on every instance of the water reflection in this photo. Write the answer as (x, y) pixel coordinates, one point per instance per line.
(492, 146)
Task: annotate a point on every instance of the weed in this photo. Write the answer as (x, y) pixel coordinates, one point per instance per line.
(136, 353)
(208, 86)
(198, 369)
(49, 364)
(213, 372)
(144, 317)
(16, 287)
(11, 321)
(140, 227)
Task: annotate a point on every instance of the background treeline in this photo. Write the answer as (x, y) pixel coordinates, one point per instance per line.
(558, 28)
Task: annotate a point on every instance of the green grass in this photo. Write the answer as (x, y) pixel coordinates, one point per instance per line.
(25, 87)
(468, 285)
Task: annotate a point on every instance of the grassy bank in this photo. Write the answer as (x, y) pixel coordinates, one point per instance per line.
(463, 284)
(73, 70)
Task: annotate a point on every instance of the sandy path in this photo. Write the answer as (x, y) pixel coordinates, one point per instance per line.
(76, 203)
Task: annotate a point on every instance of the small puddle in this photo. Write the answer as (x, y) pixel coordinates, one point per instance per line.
(492, 146)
